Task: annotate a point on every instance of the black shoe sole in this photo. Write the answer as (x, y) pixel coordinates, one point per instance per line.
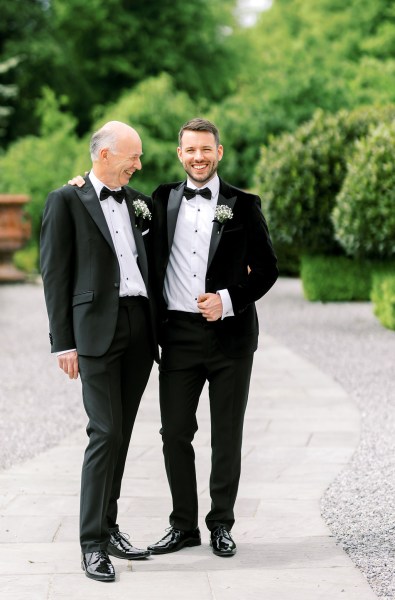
(126, 557)
(223, 554)
(185, 544)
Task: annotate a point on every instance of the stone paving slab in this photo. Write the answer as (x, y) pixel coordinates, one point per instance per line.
(301, 430)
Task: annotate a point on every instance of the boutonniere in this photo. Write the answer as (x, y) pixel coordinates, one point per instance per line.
(141, 211)
(223, 213)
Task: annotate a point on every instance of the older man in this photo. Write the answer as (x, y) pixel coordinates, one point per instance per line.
(94, 264)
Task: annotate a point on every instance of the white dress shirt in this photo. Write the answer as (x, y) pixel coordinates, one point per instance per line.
(118, 221)
(186, 271)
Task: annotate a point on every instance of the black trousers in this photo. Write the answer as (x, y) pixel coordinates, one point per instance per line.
(112, 386)
(190, 356)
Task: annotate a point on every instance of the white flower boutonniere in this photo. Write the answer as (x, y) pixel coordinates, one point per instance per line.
(222, 214)
(141, 211)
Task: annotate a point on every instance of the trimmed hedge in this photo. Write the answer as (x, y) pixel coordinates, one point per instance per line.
(299, 176)
(339, 278)
(383, 298)
(364, 215)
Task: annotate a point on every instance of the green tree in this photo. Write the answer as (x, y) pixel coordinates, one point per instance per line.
(303, 55)
(34, 165)
(92, 50)
(25, 40)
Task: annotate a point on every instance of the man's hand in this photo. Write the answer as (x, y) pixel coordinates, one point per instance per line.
(68, 362)
(210, 305)
(78, 180)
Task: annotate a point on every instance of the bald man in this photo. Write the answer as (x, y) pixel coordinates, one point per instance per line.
(94, 264)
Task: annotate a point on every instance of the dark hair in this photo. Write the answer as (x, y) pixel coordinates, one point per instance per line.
(199, 125)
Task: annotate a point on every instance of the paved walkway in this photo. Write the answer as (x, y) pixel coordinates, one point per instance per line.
(301, 429)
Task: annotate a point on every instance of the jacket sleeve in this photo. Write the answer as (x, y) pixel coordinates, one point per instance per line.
(57, 267)
(261, 260)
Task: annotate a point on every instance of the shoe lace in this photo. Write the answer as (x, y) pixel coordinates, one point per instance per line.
(122, 535)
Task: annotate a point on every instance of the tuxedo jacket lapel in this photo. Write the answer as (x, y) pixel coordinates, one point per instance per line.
(173, 206)
(138, 236)
(217, 229)
(91, 202)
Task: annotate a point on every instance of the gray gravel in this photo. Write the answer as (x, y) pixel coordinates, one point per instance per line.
(39, 405)
(347, 342)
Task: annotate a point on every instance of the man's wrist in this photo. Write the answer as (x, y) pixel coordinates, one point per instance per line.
(227, 307)
(65, 351)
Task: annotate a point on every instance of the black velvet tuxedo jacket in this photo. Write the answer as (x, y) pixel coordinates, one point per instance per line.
(80, 268)
(241, 259)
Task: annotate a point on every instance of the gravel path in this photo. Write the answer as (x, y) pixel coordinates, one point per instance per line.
(346, 341)
(342, 339)
(39, 405)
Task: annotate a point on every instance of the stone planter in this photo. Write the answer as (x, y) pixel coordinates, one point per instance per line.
(15, 229)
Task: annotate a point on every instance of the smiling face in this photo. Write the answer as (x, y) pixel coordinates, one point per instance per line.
(118, 165)
(199, 155)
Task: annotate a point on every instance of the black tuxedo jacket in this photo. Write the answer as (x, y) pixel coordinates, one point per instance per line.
(241, 259)
(80, 269)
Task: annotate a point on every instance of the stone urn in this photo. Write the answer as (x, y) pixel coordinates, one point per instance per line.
(15, 229)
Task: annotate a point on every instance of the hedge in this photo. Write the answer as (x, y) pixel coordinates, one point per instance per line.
(383, 298)
(339, 278)
(364, 214)
(299, 176)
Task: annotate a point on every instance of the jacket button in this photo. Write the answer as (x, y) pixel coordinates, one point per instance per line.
(116, 285)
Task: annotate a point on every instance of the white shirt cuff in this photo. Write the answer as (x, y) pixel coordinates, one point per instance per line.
(227, 307)
(64, 351)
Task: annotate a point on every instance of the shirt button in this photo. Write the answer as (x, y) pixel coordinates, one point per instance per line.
(195, 230)
(194, 275)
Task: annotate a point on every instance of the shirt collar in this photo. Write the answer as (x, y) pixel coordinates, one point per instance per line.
(97, 184)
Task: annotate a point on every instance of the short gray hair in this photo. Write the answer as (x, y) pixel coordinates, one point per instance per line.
(102, 138)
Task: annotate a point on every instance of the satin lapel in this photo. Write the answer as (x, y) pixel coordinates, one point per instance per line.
(173, 206)
(217, 230)
(91, 202)
(138, 236)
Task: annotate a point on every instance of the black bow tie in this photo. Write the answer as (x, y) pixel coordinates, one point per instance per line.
(118, 196)
(189, 193)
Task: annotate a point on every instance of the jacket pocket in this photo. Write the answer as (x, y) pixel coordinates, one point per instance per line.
(234, 229)
(82, 298)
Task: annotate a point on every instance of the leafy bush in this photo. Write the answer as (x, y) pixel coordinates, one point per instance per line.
(35, 165)
(383, 297)
(339, 278)
(364, 214)
(299, 176)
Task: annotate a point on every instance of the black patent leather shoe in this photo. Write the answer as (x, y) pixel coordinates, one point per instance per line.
(222, 542)
(98, 566)
(120, 547)
(176, 539)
